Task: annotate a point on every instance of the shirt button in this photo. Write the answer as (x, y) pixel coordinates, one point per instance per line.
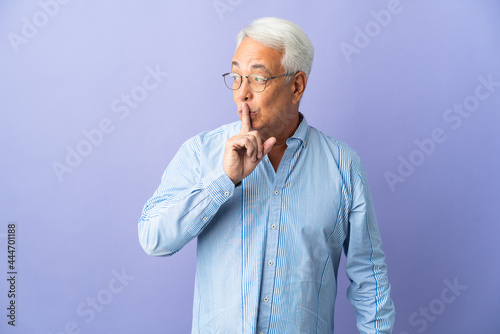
(205, 218)
(226, 193)
(270, 263)
(266, 299)
(276, 192)
(273, 226)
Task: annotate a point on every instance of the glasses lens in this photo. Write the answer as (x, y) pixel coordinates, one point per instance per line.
(232, 81)
(257, 82)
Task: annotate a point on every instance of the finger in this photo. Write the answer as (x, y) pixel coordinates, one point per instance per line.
(246, 124)
(260, 144)
(268, 145)
(252, 146)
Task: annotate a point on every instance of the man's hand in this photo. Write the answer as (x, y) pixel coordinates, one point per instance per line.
(244, 151)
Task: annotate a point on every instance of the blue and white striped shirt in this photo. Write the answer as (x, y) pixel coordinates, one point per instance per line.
(269, 249)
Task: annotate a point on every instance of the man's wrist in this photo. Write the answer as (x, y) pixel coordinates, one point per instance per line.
(219, 186)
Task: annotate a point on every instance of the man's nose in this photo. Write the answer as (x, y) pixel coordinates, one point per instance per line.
(244, 93)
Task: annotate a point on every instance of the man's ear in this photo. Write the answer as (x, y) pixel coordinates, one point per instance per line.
(299, 82)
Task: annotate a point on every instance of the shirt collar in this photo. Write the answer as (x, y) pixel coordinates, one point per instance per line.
(302, 132)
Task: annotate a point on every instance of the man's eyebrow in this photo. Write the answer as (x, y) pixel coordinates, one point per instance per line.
(254, 66)
(261, 67)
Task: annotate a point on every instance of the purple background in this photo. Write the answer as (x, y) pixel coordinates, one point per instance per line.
(440, 225)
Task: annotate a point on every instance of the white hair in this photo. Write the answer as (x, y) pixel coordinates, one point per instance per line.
(285, 36)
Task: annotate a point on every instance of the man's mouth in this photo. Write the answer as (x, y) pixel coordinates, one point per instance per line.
(250, 112)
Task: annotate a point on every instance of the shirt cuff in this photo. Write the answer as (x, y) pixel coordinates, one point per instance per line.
(219, 186)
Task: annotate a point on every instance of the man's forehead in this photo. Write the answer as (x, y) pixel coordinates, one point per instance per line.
(251, 53)
(255, 66)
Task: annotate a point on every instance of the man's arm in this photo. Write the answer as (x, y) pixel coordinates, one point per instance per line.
(183, 204)
(369, 291)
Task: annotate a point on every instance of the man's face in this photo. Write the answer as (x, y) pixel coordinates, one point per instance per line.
(268, 109)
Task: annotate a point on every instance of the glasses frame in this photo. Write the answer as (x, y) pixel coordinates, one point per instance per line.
(248, 80)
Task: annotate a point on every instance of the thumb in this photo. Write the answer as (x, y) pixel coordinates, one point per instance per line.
(268, 145)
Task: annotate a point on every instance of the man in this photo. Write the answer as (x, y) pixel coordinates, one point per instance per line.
(273, 202)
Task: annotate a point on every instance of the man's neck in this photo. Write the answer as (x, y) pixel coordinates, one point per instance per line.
(280, 147)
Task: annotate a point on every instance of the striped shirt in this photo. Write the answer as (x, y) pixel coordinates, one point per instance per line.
(269, 249)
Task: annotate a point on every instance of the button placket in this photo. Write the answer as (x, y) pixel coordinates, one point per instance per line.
(272, 237)
(271, 251)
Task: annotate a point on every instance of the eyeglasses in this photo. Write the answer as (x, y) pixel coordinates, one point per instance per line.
(256, 82)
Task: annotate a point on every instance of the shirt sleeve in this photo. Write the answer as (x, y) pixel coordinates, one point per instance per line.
(369, 291)
(184, 203)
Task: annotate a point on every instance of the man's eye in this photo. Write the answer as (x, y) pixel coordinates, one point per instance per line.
(259, 79)
(235, 77)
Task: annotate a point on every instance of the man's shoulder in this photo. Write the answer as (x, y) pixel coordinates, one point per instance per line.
(215, 136)
(327, 142)
(229, 129)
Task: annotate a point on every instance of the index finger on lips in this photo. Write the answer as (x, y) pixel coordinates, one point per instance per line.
(246, 124)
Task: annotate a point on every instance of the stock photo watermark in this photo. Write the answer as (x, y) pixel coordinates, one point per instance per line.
(421, 318)
(10, 238)
(88, 309)
(454, 117)
(121, 107)
(47, 10)
(223, 6)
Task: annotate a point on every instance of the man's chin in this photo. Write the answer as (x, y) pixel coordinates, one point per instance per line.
(263, 129)
(256, 124)
(265, 132)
